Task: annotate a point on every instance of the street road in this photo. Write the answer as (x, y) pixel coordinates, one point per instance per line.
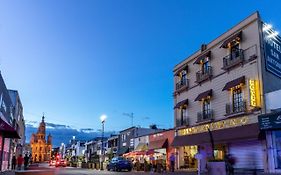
(80, 171)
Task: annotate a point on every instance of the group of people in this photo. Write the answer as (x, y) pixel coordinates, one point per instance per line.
(19, 161)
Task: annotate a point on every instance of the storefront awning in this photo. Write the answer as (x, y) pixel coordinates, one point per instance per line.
(234, 83)
(236, 37)
(141, 147)
(122, 151)
(204, 95)
(245, 132)
(158, 144)
(202, 57)
(7, 130)
(179, 104)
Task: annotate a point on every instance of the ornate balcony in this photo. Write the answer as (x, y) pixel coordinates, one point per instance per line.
(182, 85)
(183, 122)
(233, 59)
(205, 116)
(204, 74)
(230, 109)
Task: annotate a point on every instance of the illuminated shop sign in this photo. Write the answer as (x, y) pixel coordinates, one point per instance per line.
(229, 123)
(254, 93)
(272, 49)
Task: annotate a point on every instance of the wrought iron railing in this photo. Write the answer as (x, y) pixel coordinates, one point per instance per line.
(204, 74)
(233, 59)
(205, 115)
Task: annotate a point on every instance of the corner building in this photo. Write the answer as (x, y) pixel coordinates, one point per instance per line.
(219, 93)
(40, 147)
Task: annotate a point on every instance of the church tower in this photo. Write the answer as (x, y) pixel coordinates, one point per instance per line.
(41, 148)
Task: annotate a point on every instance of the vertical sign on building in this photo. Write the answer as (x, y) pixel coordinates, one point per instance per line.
(254, 93)
(272, 49)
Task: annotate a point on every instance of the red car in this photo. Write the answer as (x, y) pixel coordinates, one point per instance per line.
(61, 162)
(52, 163)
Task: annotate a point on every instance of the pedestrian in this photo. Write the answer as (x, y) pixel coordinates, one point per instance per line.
(229, 162)
(14, 162)
(20, 161)
(26, 161)
(172, 162)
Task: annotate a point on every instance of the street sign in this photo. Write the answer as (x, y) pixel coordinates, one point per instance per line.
(270, 121)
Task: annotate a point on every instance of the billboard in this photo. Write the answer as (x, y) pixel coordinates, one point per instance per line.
(272, 50)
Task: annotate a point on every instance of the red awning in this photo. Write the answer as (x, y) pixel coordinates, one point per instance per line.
(7, 130)
(158, 144)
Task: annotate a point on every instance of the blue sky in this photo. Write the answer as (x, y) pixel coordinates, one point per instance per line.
(76, 60)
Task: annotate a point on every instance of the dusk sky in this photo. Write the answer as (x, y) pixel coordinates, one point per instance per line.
(76, 60)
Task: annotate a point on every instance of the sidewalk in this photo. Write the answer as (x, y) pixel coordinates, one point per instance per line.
(7, 173)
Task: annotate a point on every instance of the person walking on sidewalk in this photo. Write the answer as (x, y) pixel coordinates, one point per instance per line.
(26, 160)
(14, 162)
(20, 161)
(172, 162)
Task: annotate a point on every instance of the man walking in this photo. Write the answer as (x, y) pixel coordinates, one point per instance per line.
(172, 162)
(20, 161)
(14, 162)
(26, 160)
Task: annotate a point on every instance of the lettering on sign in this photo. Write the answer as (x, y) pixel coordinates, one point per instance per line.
(253, 98)
(254, 93)
(229, 123)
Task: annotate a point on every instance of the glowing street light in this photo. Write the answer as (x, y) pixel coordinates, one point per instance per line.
(102, 119)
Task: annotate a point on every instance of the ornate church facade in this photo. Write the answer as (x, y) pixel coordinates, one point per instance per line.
(41, 148)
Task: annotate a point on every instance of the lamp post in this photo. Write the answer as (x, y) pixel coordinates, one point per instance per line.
(102, 118)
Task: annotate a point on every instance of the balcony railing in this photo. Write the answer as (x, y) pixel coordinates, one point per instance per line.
(205, 116)
(204, 74)
(182, 84)
(234, 109)
(233, 59)
(183, 122)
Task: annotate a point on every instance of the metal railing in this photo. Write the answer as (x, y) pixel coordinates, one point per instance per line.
(205, 115)
(204, 74)
(180, 122)
(233, 59)
(183, 83)
(232, 109)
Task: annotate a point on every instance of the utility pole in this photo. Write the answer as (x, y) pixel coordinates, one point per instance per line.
(131, 115)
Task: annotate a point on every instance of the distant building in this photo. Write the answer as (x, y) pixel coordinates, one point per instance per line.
(112, 145)
(127, 138)
(7, 130)
(41, 148)
(17, 146)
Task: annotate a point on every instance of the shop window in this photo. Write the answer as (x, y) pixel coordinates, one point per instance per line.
(206, 108)
(189, 160)
(237, 99)
(277, 144)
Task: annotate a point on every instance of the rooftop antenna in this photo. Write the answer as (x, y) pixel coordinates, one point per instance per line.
(131, 115)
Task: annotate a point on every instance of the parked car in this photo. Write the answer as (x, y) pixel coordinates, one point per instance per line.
(61, 162)
(119, 164)
(52, 163)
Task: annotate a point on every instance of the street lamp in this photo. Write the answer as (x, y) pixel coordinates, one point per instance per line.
(102, 118)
